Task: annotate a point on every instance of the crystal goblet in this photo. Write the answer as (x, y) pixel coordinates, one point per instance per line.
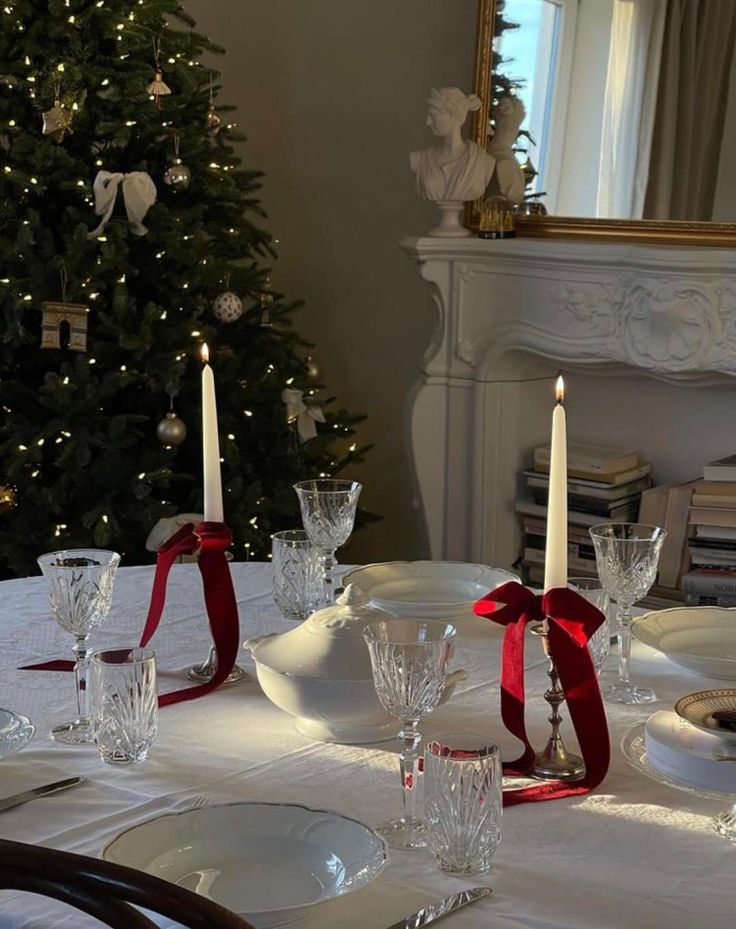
(627, 555)
(80, 583)
(328, 513)
(463, 805)
(409, 660)
(296, 573)
(124, 703)
(599, 644)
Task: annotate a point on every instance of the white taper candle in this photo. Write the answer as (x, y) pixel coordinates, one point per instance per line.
(555, 562)
(213, 511)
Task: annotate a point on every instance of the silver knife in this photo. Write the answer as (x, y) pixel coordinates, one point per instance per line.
(9, 802)
(428, 914)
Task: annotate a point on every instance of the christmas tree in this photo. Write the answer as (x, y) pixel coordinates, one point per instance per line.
(103, 324)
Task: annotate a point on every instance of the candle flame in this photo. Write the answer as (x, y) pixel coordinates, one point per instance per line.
(560, 389)
(205, 353)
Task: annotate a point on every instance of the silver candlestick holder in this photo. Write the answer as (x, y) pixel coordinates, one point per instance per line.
(554, 762)
(203, 673)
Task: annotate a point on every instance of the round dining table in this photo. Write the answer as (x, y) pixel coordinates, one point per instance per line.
(633, 854)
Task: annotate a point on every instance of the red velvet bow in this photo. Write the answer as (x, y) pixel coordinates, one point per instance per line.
(210, 540)
(571, 620)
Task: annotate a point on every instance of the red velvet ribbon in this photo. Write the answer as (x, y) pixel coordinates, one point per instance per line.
(211, 541)
(571, 621)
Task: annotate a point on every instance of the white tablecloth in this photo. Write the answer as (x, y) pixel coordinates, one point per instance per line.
(633, 854)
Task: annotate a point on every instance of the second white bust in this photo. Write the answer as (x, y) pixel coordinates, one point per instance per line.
(452, 170)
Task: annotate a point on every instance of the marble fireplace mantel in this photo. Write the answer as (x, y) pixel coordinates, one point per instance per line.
(509, 311)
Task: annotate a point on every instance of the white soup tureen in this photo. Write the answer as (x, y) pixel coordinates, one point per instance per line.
(320, 672)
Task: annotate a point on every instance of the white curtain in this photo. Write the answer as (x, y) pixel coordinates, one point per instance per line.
(630, 106)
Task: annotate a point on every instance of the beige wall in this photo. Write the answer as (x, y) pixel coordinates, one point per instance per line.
(331, 96)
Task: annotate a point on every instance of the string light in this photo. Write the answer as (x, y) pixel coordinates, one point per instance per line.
(105, 518)
(248, 412)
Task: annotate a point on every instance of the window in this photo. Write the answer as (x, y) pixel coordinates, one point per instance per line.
(534, 58)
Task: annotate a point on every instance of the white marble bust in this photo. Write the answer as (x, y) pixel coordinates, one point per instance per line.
(508, 179)
(452, 169)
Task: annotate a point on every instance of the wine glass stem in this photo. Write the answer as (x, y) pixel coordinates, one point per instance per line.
(409, 761)
(328, 566)
(82, 653)
(624, 655)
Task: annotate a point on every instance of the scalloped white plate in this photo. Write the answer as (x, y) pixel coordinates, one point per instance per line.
(633, 747)
(427, 589)
(269, 862)
(699, 638)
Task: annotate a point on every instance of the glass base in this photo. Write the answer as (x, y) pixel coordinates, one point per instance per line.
(725, 824)
(628, 694)
(73, 733)
(480, 866)
(400, 833)
(119, 758)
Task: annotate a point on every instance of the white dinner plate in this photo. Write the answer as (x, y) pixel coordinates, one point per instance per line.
(699, 638)
(444, 590)
(15, 732)
(267, 861)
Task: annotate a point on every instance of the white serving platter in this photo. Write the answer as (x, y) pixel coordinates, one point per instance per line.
(699, 638)
(442, 590)
(268, 862)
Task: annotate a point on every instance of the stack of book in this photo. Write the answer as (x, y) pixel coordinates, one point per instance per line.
(712, 578)
(604, 485)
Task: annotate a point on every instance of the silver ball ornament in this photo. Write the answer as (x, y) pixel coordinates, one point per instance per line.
(178, 175)
(212, 121)
(171, 430)
(227, 307)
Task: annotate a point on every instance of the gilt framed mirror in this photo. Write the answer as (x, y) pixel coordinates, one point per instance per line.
(629, 128)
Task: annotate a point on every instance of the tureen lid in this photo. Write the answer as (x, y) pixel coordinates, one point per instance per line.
(329, 644)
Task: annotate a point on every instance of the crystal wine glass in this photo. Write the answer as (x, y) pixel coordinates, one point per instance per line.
(627, 555)
(409, 658)
(80, 583)
(328, 513)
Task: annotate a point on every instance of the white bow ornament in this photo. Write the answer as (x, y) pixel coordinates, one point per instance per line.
(304, 416)
(139, 194)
